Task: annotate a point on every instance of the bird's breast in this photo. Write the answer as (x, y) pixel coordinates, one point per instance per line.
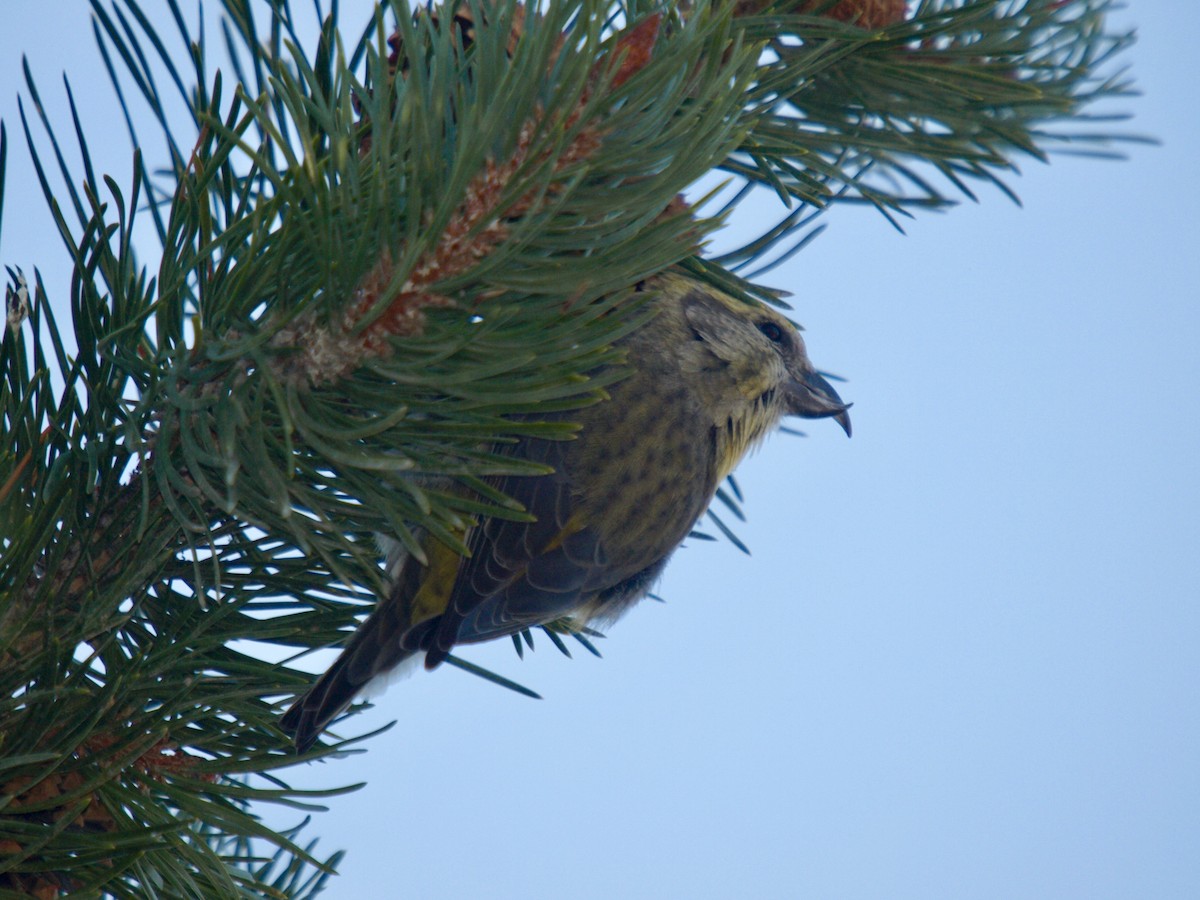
(643, 469)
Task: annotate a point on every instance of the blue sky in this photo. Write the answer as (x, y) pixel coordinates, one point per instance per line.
(963, 658)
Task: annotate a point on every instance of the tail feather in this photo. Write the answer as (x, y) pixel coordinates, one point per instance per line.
(372, 653)
(378, 646)
(320, 704)
(402, 627)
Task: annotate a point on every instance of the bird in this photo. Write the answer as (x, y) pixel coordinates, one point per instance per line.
(709, 376)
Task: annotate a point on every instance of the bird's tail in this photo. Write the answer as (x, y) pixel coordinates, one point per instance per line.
(320, 704)
(368, 658)
(400, 629)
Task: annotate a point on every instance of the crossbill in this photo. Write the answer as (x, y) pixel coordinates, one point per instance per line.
(708, 377)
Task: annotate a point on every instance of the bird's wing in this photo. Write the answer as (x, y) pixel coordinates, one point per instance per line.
(522, 574)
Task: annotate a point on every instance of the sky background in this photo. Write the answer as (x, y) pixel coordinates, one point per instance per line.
(964, 658)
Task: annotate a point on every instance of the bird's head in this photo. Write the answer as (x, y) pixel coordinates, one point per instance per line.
(748, 363)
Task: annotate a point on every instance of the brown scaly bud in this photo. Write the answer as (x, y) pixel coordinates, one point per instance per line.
(869, 14)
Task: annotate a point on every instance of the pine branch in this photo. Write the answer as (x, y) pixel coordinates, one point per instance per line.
(379, 259)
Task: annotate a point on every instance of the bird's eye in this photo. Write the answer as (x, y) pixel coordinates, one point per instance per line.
(773, 332)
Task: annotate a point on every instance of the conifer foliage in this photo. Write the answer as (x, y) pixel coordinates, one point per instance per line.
(312, 316)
